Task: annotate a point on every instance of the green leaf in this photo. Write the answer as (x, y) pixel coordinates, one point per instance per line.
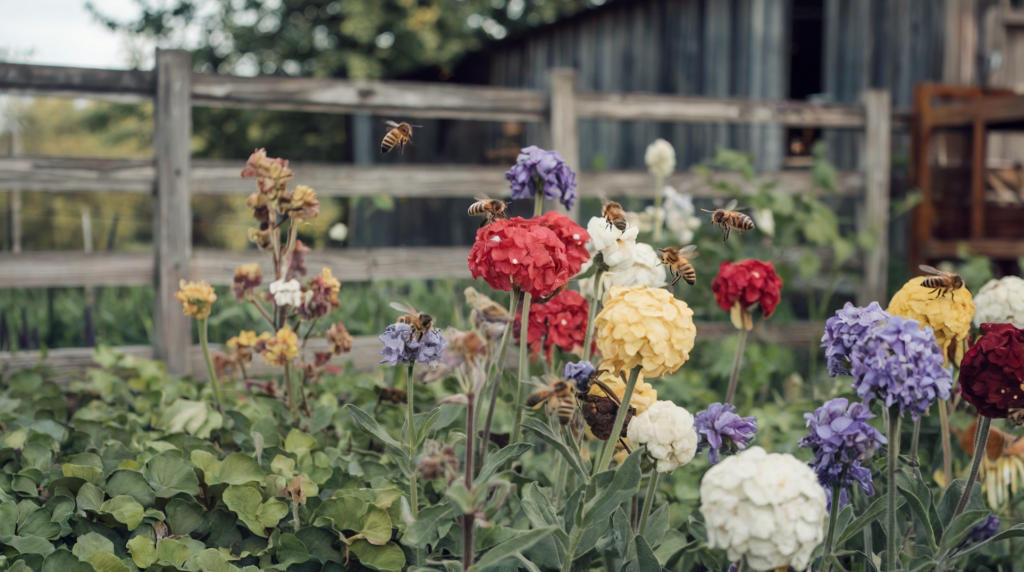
(172, 552)
(499, 458)
(423, 428)
(297, 440)
(8, 519)
(538, 507)
(320, 544)
(431, 524)
(235, 469)
(195, 418)
(961, 527)
(919, 497)
(672, 544)
(951, 497)
(625, 482)
(124, 509)
(90, 544)
(62, 560)
(657, 525)
(38, 523)
(648, 561)
(170, 475)
(107, 562)
(1015, 532)
(212, 560)
(569, 452)
(387, 558)
(183, 517)
(809, 264)
(519, 543)
(85, 472)
(143, 551)
(370, 425)
(873, 512)
(31, 545)
(376, 526)
(344, 513)
(248, 504)
(130, 483)
(90, 497)
(290, 550)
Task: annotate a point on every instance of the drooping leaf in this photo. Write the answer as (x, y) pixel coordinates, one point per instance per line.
(509, 548)
(919, 497)
(376, 526)
(343, 513)
(195, 418)
(387, 558)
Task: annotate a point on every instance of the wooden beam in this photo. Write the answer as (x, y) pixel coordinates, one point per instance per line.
(671, 108)
(877, 171)
(118, 85)
(564, 126)
(988, 110)
(1002, 249)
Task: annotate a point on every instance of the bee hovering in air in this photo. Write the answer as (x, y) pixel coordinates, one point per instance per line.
(941, 282)
(559, 397)
(727, 219)
(678, 262)
(399, 134)
(613, 213)
(421, 323)
(490, 209)
(391, 395)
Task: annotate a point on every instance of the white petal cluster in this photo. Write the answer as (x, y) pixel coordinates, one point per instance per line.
(667, 431)
(1000, 302)
(768, 507)
(645, 271)
(286, 293)
(680, 215)
(616, 246)
(660, 158)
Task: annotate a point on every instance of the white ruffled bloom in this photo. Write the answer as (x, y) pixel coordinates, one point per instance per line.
(768, 507)
(645, 271)
(286, 293)
(667, 431)
(765, 220)
(1000, 302)
(680, 215)
(660, 158)
(615, 246)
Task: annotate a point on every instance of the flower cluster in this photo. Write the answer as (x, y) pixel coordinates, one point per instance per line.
(320, 296)
(301, 204)
(992, 371)
(579, 373)
(841, 438)
(286, 292)
(561, 321)
(399, 345)
(844, 330)
(519, 253)
(645, 327)
(948, 316)
(723, 432)
(743, 284)
(537, 170)
(667, 431)
(247, 277)
(281, 348)
(197, 299)
(572, 236)
(615, 246)
(1000, 302)
(272, 196)
(339, 341)
(680, 215)
(660, 158)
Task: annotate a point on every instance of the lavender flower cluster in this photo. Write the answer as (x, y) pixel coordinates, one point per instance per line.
(580, 374)
(844, 330)
(399, 346)
(840, 438)
(536, 166)
(723, 432)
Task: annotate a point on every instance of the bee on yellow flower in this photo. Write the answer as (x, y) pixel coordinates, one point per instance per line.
(281, 348)
(197, 299)
(949, 316)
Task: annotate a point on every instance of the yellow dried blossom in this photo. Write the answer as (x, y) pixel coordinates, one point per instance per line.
(197, 298)
(647, 327)
(247, 339)
(330, 281)
(281, 348)
(247, 277)
(301, 204)
(643, 394)
(949, 316)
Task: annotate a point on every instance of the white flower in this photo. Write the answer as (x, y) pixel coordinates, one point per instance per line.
(765, 220)
(768, 507)
(616, 246)
(1000, 302)
(645, 271)
(286, 293)
(680, 215)
(668, 432)
(660, 158)
(338, 232)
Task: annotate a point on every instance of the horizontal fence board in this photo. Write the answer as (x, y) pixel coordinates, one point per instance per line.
(49, 173)
(989, 110)
(992, 247)
(71, 268)
(119, 85)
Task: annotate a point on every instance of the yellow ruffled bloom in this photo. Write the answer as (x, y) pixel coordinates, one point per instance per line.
(644, 395)
(949, 316)
(197, 299)
(247, 339)
(282, 347)
(647, 327)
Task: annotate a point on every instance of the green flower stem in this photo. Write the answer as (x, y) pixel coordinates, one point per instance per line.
(594, 303)
(893, 459)
(500, 367)
(947, 449)
(914, 439)
(659, 186)
(570, 551)
(731, 394)
(981, 441)
(833, 515)
(468, 519)
(652, 487)
(204, 342)
(742, 565)
(413, 501)
(538, 200)
(620, 418)
(524, 370)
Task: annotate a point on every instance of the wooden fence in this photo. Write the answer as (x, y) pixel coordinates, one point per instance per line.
(174, 176)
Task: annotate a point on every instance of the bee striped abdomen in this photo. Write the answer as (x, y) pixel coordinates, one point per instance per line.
(743, 222)
(565, 408)
(688, 273)
(393, 138)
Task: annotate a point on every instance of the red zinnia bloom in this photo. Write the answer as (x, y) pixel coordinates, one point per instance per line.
(521, 253)
(572, 235)
(992, 371)
(748, 282)
(561, 321)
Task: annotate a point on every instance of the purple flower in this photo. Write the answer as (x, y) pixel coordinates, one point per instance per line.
(901, 364)
(844, 330)
(723, 431)
(841, 438)
(580, 374)
(534, 167)
(985, 530)
(399, 346)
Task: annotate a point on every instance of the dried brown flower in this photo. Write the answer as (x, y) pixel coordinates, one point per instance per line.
(599, 412)
(339, 339)
(247, 277)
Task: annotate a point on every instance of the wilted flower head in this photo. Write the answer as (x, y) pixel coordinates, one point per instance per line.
(660, 158)
(545, 171)
(667, 431)
(247, 277)
(339, 339)
(242, 345)
(844, 330)
(300, 204)
(645, 327)
(197, 299)
(1001, 472)
(948, 316)
(261, 238)
(1000, 302)
(286, 292)
(272, 174)
(992, 371)
(320, 297)
(580, 373)
(399, 345)
(281, 348)
(519, 253)
(465, 347)
(723, 432)
(297, 264)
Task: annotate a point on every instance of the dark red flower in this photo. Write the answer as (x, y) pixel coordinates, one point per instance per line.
(992, 371)
(521, 253)
(572, 235)
(561, 321)
(748, 282)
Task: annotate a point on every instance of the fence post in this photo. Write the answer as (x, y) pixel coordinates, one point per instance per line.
(172, 218)
(876, 156)
(563, 123)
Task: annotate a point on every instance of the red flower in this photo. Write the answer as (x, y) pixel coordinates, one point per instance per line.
(572, 235)
(748, 282)
(992, 371)
(561, 321)
(521, 253)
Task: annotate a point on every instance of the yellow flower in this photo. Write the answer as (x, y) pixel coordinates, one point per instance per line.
(301, 204)
(282, 347)
(197, 298)
(247, 339)
(949, 316)
(331, 282)
(647, 327)
(643, 394)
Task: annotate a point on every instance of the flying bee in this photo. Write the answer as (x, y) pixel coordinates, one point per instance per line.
(613, 213)
(941, 282)
(727, 219)
(559, 396)
(421, 323)
(678, 262)
(400, 134)
(1016, 417)
(391, 394)
(489, 310)
(490, 209)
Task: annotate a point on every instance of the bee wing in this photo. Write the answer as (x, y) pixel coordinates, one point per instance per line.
(403, 308)
(932, 270)
(550, 379)
(732, 205)
(482, 197)
(392, 124)
(690, 251)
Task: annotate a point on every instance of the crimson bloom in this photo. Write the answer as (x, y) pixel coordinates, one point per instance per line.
(992, 371)
(561, 321)
(747, 283)
(520, 253)
(572, 235)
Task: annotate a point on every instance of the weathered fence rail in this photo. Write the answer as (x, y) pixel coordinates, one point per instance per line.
(174, 176)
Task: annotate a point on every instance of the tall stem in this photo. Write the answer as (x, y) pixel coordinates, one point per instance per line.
(291, 387)
(620, 418)
(652, 487)
(731, 394)
(893, 460)
(411, 444)
(833, 515)
(914, 439)
(981, 441)
(524, 369)
(499, 368)
(947, 449)
(204, 342)
(594, 302)
(467, 519)
(659, 185)
(538, 202)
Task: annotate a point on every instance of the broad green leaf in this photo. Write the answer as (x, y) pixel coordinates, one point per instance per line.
(645, 556)
(344, 513)
(1015, 532)
(61, 508)
(130, 483)
(85, 472)
(36, 456)
(625, 483)
(62, 560)
(284, 466)
(431, 524)
(15, 439)
(172, 552)
(235, 469)
(290, 550)
(962, 526)
(537, 507)
(873, 512)
(657, 525)
(143, 551)
(90, 544)
(107, 562)
(183, 517)
(387, 558)
(376, 526)
(8, 519)
(297, 440)
(211, 560)
(568, 451)
(370, 425)
(195, 418)
(951, 497)
(170, 475)
(499, 458)
(519, 543)
(124, 509)
(671, 545)
(319, 543)
(39, 524)
(30, 545)
(248, 504)
(919, 497)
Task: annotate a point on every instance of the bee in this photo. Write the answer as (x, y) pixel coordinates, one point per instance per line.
(489, 310)
(421, 323)
(679, 262)
(1016, 417)
(941, 282)
(490, 209)
(559, 395)
(400, 134)
(391, 394)
(613, 213)
(727, 219)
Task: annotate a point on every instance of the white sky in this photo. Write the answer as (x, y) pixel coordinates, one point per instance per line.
(62, 32)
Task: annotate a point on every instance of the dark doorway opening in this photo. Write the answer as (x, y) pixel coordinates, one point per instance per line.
(806, 47)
